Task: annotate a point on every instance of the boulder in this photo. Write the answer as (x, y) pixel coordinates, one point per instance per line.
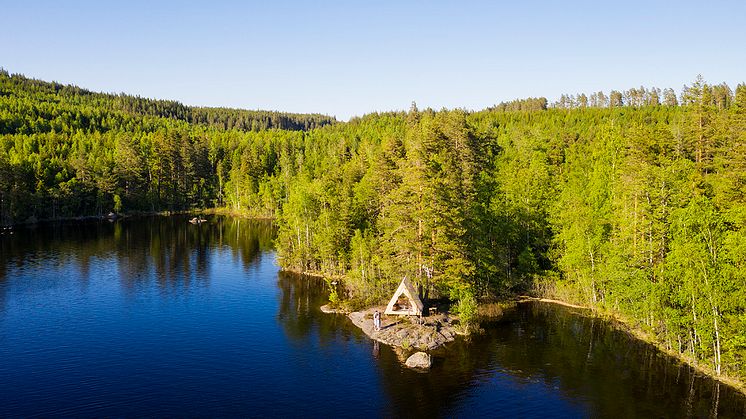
(419, 360)
(328, 309)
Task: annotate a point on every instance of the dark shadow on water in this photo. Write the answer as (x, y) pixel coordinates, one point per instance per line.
(613, 374)
(299, 313)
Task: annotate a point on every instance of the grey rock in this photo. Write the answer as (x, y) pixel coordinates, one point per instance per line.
(419, 360)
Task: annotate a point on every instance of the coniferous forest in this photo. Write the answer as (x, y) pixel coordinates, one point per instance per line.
(632, 202)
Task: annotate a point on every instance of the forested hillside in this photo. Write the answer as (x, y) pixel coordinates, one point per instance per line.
(632, 202)
(61, 106)
(67, 151)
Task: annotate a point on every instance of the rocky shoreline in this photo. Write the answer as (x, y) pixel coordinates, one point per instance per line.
(405, 333)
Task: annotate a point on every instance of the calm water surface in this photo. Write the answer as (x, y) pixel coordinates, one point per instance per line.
(158, 317)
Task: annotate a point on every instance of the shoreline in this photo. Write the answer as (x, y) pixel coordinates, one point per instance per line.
(621, 324)
(235, 213)
(127, 214)
(527, 298)
(612, 319)
(317, 275)
(103, 217)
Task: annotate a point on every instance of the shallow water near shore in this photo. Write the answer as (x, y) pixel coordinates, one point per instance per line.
(155, 316)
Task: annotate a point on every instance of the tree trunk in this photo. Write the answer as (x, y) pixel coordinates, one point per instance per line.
(717, 341)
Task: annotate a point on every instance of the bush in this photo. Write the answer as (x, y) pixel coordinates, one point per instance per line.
(334, 299)
(467, 311)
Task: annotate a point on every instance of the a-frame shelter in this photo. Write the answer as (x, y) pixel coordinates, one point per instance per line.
(406, 301)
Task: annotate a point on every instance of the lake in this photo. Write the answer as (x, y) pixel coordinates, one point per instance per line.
(154, 316)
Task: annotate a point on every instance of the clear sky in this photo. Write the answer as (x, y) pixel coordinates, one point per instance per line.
(347, 58)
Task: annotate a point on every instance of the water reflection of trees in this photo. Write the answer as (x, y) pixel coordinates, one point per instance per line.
(456, 368)
(598, 369)
(167, 251)
(410, 394)
(299, 314)
(581, 357)
(613, 372)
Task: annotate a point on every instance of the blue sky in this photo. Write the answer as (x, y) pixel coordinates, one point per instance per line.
(347, 58)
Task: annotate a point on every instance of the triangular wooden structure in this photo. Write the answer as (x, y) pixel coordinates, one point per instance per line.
(411, 306)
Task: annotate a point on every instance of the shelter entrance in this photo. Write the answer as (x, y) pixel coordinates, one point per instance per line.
(405, 301)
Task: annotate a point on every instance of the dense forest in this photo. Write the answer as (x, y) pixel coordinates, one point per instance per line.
(632, 202)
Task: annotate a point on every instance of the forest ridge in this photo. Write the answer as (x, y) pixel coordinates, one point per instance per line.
(631, 202)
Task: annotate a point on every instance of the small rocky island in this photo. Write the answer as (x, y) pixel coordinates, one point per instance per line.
(408, 335)
(403, 326)
(426, 333)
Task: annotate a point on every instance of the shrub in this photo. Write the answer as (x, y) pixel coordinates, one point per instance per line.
(334, 299)
(467, 310)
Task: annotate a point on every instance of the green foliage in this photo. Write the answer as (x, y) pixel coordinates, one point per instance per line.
(334, 299)
(467, 310)
(117, 203)
(405, 344)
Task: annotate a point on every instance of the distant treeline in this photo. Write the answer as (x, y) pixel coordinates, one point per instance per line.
(529, 104)
(43, 96)
(720, 96)
(630, 204)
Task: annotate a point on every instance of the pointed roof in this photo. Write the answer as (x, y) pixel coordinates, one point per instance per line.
(415, 304)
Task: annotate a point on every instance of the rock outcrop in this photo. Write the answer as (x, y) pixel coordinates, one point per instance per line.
(328, 309)
(408, 333)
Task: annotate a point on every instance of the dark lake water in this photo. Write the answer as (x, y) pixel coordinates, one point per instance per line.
(158, 317)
